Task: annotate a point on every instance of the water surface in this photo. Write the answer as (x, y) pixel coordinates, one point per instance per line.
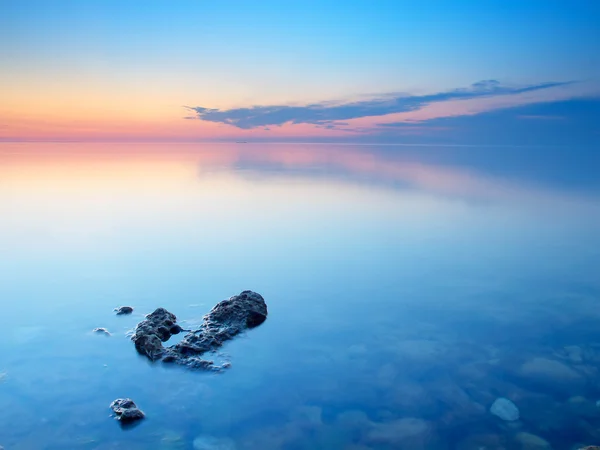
(408, 288)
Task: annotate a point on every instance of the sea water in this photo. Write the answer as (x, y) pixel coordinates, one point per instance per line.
(408, 289)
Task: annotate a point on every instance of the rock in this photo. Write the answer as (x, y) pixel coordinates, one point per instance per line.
(213, 443)
(103, 331)
(505, 409)
(407, 433)
(152, 332)
(589, 447)
(482, 442)
(122, 310)
(530, 441)
(574, 353)
(126, 410)
(226, 320)
(549, 369)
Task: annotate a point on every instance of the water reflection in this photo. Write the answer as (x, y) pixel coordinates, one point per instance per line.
(407, 292)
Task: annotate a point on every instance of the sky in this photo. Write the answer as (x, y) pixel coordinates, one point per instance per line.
(461, 72)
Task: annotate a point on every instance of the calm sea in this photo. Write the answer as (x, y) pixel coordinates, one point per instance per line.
(408, 288)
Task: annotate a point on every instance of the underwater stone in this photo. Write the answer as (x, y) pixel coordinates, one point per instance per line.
(126, 410)
(530, 441)
(549, 369)
(213, 443)
(121, 310)
(103, 331)
(505, 409)
(226, 320)
(409, 433)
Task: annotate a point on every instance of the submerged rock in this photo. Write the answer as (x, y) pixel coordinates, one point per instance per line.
(227, 319)
(213, 443)
(410, 432)
(488, 441)
(103, 331)
(121, 310)
(544, 369)
(126, 410)
(505, 409)
(530, 441)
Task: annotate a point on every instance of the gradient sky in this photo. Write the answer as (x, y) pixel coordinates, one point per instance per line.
(365, 71)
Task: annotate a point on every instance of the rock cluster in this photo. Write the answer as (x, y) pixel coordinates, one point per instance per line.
(126, 410)
(226, 320)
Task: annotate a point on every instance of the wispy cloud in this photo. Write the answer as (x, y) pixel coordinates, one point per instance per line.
(329, 115)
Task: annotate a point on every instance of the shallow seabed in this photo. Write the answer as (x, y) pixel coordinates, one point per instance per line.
(408, 289)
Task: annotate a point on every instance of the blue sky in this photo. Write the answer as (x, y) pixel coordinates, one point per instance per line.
(114, 68)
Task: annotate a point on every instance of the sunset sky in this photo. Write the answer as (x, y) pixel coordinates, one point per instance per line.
(509, 72)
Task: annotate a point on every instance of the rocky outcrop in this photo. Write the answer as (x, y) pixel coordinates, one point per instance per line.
(226, 320)
(157, 328)
(122, 310)
(126, 410)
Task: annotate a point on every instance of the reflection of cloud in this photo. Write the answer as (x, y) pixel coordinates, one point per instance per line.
(538, 117)
(330, 115)
(358, 165)
(461, 172)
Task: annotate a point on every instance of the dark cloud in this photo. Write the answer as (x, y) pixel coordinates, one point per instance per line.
(566, 123)
(328, 114)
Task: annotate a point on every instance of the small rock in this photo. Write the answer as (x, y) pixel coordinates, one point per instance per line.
(549, 369)
(482, 442)
(403, 433)
(530, 441)
(505, 409)
(121, 310)
(103, 331)
(589, 447)
(126, 410)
